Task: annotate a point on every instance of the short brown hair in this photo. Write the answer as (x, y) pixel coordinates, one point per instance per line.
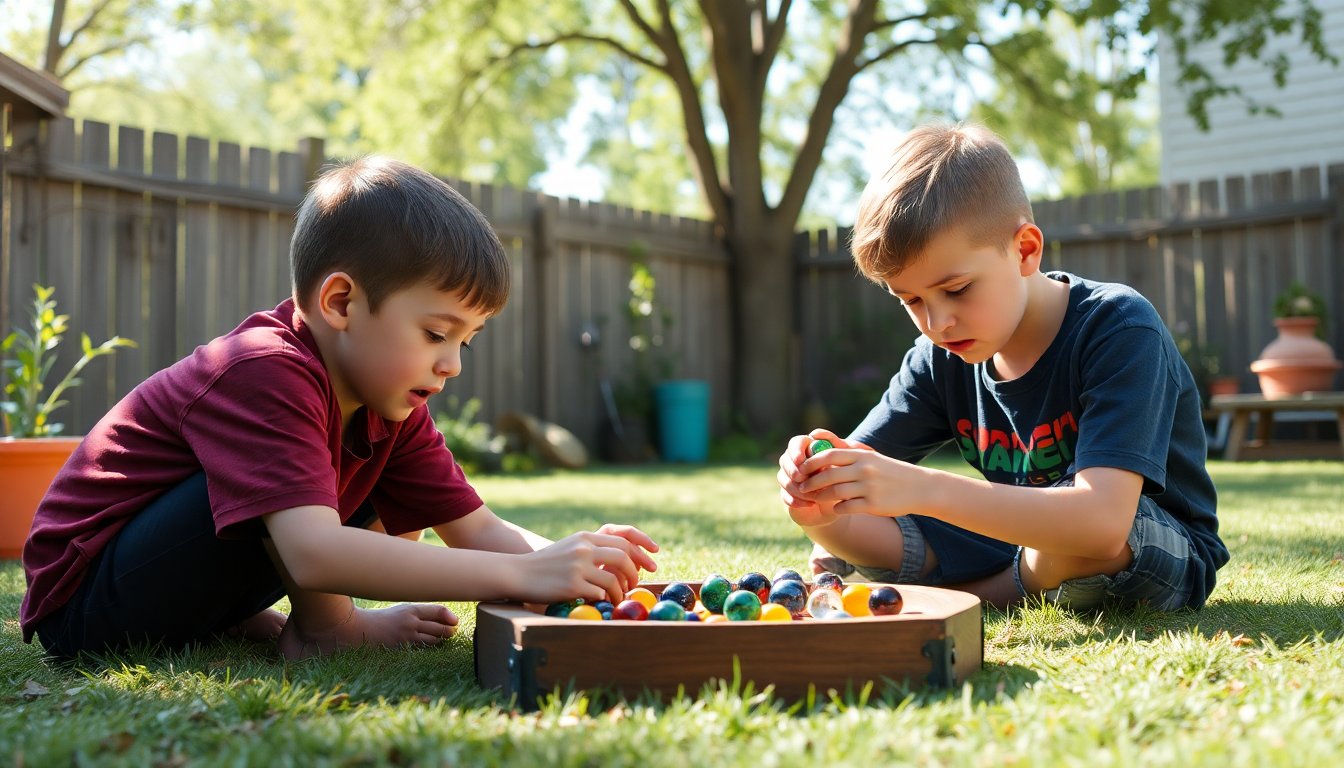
(938, 177)
(392, 225)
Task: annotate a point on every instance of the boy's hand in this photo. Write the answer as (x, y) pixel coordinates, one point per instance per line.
(805, 508)
(864, 482)
(644, 544)
(595, 566)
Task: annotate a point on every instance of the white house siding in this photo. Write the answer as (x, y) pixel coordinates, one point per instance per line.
(1309, 133)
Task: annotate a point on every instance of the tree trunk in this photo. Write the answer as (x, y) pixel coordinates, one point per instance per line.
(765, 377)
(52, 59)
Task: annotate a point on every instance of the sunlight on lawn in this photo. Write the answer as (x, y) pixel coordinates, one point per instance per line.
(1252, 678)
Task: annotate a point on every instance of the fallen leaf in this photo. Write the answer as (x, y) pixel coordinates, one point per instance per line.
(119, 742)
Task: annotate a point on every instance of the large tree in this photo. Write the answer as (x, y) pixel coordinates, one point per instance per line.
(759, 84)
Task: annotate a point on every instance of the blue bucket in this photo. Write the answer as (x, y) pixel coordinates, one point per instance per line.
(683, 420)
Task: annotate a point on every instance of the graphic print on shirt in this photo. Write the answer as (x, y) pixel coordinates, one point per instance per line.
(1041, 459)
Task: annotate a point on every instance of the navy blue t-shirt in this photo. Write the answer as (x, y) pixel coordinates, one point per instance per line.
(1110, 391)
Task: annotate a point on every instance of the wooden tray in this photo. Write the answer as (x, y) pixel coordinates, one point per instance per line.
(937, 640)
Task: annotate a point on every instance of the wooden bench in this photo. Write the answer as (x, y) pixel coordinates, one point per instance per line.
(1312, 406)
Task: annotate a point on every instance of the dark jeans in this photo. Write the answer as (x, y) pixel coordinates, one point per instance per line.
(167, 581)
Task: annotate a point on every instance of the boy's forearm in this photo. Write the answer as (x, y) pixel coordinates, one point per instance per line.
(1085, 520)
(359, 563)
(494, 535)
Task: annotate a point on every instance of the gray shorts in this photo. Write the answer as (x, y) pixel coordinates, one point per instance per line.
(1161, 573)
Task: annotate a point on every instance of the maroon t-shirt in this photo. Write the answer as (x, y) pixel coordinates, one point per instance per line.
(255, 410)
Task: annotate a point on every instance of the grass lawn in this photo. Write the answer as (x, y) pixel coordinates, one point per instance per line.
(1256, 678)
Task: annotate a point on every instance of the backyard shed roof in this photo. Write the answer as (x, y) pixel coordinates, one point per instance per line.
(33, 93)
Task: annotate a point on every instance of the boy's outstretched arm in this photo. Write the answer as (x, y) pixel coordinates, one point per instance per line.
(1090, 519)
(484, 530)
(321, 555)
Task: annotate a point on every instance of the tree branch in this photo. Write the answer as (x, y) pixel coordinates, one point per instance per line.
(87, 22)
(693, 116)
(833, 91)
(884, 24)
(638, 19)
(567, 37)
(894, 49)
(111, 48)
(772, 38)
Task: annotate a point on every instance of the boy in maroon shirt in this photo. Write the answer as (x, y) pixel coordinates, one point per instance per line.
(296, 456)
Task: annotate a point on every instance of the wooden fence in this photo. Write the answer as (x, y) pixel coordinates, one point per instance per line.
(171, 242)
(1211, 257)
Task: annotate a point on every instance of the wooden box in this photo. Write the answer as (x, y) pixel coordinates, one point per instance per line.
(937, 640)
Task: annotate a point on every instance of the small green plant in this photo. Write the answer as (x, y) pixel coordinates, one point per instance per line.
(1297, 301)
(474, 444)
(648, 324)
(28, 404)
(1204, 361)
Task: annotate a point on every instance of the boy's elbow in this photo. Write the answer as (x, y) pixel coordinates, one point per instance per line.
(1113, 542)
(307, 568)
(308, 576)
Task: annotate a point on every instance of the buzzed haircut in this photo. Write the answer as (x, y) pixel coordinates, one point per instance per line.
(390, 226)
(940, 176)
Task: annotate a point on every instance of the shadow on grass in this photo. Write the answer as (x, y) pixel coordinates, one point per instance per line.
(994, 682)
(1283, 624)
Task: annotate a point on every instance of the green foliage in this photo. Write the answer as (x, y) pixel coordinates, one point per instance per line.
(738, 444)
(1297, 301)
(1205, 362)
(1096, 137)
(647, 324)
(473, 444)
(28, 403)
(861, 358)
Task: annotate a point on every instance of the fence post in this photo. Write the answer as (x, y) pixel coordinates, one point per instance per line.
(6, 117)
(1334, 247)
(543, 247)
(312, 154)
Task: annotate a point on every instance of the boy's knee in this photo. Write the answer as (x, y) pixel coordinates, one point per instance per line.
(1040, 571)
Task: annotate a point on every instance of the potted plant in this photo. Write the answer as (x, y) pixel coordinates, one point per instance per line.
(630, 438)
(680, 406)
(32, 452)
(1206, 366)
(1298, 360)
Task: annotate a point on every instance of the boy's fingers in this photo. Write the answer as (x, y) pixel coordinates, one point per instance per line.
(616, 561)
(794, 502)
(633, 548)
(835, 457)
(609, 586)
(631, 534)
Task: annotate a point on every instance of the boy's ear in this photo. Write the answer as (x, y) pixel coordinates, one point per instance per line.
(1029, 244)
(334, 297)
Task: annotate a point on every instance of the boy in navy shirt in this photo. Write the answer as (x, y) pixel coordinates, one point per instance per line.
(1068, 396)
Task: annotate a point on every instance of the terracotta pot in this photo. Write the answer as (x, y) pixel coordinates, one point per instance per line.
(1224, 385)
(1296, 361)
(27, 466)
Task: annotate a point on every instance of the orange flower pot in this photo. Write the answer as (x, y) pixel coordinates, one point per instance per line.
(1296, 361)
(27, 467)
